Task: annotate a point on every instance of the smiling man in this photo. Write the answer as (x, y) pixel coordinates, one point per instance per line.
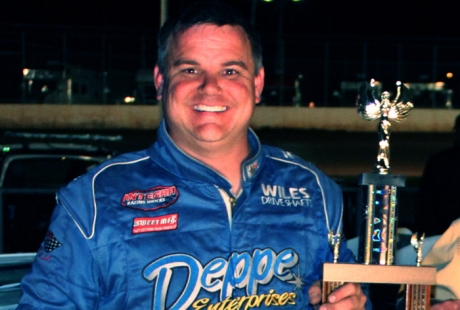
(206, 218)
(209, 89)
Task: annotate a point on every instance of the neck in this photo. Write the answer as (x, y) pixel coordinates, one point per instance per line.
(226, 161)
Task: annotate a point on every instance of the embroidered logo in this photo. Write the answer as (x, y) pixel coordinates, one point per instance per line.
(258, 273)
(151, 199)
(51, 243)
(277, 195)
(155, 224)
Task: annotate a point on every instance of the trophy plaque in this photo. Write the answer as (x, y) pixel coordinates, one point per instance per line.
(377, 238)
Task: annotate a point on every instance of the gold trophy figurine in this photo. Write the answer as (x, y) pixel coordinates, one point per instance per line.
(370, 108)
(417, 243)
(334, 243)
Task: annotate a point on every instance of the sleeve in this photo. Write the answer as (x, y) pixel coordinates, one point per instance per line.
(64, 274)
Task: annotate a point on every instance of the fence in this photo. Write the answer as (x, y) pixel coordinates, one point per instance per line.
(303, 70)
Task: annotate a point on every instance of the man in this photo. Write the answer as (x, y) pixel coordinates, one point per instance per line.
(206, 218)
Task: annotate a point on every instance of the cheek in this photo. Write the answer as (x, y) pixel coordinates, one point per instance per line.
(240, 89)
(179, 90)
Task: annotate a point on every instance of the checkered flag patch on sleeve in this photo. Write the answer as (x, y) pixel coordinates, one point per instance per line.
(51, 243)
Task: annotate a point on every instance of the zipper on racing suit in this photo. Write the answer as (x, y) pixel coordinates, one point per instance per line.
(229, 201)
(232, 202)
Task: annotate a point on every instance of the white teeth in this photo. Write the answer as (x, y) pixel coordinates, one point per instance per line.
(207, 108)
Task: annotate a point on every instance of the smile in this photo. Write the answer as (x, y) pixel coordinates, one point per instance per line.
(207, 108)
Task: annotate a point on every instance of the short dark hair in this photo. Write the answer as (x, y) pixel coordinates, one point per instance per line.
(206, 12)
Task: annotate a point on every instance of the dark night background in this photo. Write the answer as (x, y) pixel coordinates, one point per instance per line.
(404, 18)
(307, 27)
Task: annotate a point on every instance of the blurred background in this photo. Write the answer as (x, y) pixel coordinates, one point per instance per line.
(316, 53)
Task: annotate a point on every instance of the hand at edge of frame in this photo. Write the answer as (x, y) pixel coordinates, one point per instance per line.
(349, 296)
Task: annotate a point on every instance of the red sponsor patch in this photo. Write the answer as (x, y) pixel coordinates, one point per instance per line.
(154, 224)
(151, 199)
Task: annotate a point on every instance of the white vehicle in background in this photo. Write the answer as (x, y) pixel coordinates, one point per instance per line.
(33, 167)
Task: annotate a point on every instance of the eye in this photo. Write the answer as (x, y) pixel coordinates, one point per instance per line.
(230, 72)
(190, 71)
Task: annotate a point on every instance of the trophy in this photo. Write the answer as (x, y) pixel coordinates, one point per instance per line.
(379, 225)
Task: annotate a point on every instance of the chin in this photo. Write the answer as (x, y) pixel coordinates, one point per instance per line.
(210, 131)
(207, 137)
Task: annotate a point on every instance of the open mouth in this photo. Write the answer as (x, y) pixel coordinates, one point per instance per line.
(208, 108)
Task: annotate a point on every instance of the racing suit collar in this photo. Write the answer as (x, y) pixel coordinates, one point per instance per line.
(166, 153)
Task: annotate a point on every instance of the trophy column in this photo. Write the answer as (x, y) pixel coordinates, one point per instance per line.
(379, 225)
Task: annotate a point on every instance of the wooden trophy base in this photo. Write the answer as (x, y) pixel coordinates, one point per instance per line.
(418, 280)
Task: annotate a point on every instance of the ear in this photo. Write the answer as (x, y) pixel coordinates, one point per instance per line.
(259, 84)
(158, 79)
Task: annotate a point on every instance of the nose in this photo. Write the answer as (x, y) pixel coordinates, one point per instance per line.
(210, 85)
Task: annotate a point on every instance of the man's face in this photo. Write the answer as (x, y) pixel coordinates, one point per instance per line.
(211, 89)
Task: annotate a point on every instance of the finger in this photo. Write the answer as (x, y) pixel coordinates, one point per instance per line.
(447, 305)
(314, 293)
(346, 290)
(348, 296)
(354, 302)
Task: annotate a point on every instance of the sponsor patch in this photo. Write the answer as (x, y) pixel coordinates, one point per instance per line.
(277, 195)
(51, 243)
(155, 224)
(151, 199)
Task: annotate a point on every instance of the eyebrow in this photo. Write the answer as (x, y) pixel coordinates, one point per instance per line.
(238, 63)
(180, 62)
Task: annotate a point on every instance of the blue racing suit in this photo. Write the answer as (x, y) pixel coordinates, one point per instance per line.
(157, 229)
